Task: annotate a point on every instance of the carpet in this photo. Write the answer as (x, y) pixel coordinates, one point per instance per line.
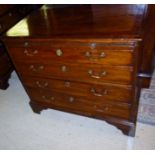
(146, 113)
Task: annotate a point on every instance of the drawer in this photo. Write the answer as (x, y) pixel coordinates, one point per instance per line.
(79, 54)
(91, 73)
(94, 92)
(78, 104)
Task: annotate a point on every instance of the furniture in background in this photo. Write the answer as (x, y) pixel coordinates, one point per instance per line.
(6, 67)
(90, 60)
(10, 14)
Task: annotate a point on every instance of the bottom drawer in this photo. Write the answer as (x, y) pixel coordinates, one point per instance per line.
(79, 104)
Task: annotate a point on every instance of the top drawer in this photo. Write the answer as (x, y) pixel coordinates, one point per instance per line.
(110, 54)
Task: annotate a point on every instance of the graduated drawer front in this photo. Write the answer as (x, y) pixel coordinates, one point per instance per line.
(78, 104)
(79, 54)
(95, 92)
(91, 73)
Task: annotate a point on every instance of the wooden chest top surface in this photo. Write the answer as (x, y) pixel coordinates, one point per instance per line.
(82, 21)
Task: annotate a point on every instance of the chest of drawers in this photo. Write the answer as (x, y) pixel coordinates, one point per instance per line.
(90, 60)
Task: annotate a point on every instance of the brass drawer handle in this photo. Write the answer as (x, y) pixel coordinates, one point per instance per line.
(89, 55)
(36, 68)
(102, 55)
(95, 93)
(27, 53)
(48, 99)
(59, 52)
(91, 73)
(43, 85)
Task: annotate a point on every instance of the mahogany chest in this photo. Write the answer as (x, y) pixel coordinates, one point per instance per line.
(90, 60)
